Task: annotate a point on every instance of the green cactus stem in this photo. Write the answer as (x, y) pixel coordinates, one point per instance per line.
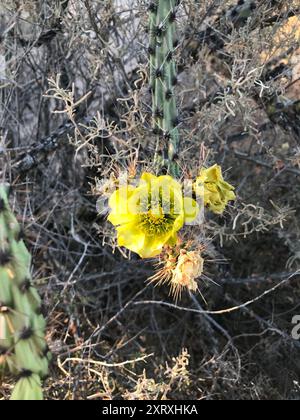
(23, 349)
(163, 78)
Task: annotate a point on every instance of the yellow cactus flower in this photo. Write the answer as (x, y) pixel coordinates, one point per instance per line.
(215, 191)
(148, 217)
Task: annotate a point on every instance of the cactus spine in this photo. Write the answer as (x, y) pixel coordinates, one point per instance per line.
(163, 78)
(23, 349)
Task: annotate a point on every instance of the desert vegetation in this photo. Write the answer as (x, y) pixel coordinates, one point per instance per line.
(96, 92)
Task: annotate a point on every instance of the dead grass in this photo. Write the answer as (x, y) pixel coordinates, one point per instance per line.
(113, 336)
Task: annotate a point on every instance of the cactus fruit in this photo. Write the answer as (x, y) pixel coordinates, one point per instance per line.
(23, 349)
(163, 78)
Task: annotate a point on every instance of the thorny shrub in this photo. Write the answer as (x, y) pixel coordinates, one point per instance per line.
(75, 113)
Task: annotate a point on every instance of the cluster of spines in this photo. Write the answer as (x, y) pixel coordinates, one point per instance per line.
(23, 349)
(163, 78)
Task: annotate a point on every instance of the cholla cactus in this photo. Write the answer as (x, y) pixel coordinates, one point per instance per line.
(149, 216)
(163, 78)
(23, 349)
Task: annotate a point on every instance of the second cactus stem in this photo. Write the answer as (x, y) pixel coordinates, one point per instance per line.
(163, 79)
(23, 349)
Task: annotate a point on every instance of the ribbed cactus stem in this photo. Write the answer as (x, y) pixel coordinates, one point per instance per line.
(163, 79)
(159, 72)
(23, 349)
(152, 44)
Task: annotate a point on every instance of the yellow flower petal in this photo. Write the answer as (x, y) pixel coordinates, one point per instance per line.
(166, 180)
(214, 174)
(217, 207)
(147, 178)
(191, 209)
(231, 196)
(131, 237)
(149, 216)
(118, 200)
(153, 246)
(211, 187)
(178, 223)
(135, 201)
(215, 191)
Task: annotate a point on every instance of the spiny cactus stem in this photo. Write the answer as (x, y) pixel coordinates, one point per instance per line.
(152, 43)
(164, 101)
(170, 103)
(22, 328)
(159, 67)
